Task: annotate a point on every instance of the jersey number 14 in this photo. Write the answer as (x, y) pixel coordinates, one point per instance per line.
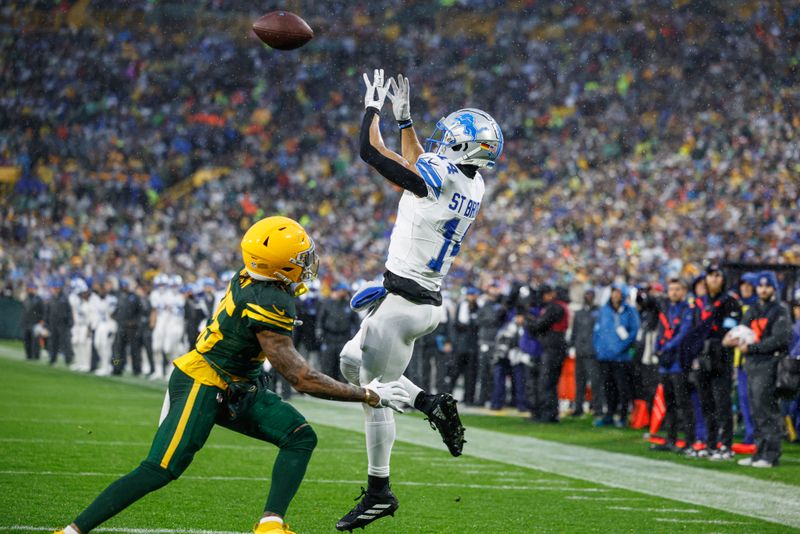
(452, 238)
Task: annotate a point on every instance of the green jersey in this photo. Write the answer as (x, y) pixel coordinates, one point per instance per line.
(229, 342)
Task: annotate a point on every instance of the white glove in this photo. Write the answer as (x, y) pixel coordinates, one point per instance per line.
(376, 91)
(399, 95)
(389, 394)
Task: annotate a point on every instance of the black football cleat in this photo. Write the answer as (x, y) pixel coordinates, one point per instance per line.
(371, 508)
(443, 416)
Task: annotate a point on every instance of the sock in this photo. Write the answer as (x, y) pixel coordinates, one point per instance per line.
(122, 493)
(289, 469)
(424, 403)
(271, 519)
(70, 530)
(377, 484)
(380, 434)
(414, 391)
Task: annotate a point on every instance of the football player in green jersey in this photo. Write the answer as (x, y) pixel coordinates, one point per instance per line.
(219, 382)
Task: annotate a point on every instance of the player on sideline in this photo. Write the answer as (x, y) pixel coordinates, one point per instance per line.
(220, 382)
(442, 194)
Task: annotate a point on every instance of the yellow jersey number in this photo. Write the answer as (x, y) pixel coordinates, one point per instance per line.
(212, 334)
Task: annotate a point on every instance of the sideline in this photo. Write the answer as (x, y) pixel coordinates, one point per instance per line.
(738, 494)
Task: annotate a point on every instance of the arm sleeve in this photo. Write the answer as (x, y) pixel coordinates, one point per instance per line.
(389, 169)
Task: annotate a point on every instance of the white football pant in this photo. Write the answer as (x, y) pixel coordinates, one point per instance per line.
(104, 343)
(382, 349)
(82, 347)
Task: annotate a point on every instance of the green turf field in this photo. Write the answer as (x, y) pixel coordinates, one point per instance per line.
(65, 436)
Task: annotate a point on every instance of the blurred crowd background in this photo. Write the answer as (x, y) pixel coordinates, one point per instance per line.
(140, 138)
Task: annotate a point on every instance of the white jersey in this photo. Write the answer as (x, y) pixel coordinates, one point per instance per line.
(81, 311)
(428, 231)
(102, 308)
(158, 301)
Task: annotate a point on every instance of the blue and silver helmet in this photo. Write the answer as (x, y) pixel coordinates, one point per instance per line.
(468, 136)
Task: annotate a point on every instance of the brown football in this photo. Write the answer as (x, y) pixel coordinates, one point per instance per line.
(283, 30)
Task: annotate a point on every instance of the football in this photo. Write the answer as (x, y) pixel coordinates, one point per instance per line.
(283, 30)
(739, 335)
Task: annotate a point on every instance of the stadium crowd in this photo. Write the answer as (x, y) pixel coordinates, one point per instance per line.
(640, 137)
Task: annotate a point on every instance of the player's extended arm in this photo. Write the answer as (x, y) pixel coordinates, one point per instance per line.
(400, 95)
(374, 152)
(409, 144)
(390, 164)
(293, 367)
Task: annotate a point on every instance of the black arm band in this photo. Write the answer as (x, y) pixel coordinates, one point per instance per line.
(408, 123)
(389, 168)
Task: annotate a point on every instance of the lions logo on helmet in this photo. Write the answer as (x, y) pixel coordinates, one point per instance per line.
(469, 137)
(278, 248)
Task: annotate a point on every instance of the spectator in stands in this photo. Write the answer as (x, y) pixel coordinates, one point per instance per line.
(94, 173)
(794, 349)
(674, 362)
(747, 289)
(614, 337)
(718, 312)
(769, 319)
(33, 315)
(586, 369)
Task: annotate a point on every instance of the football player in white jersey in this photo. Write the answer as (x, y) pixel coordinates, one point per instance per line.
(105, 327)
(174, 344)
(159, 323)
(442, 194)
(81, 325)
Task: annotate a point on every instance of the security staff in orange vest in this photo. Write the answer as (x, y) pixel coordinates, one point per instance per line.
(674, 363)
(719, 311)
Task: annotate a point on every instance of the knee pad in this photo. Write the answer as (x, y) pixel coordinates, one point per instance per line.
(350, 362)
(303, 438)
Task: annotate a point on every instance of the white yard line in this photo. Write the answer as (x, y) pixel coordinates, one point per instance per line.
(700, 521)
(603, 498)
(737, 494)
(229, 478)
(126, 530)
(659, 510)
(222, 446)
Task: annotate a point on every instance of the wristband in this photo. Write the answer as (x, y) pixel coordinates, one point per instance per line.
(408, 123)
